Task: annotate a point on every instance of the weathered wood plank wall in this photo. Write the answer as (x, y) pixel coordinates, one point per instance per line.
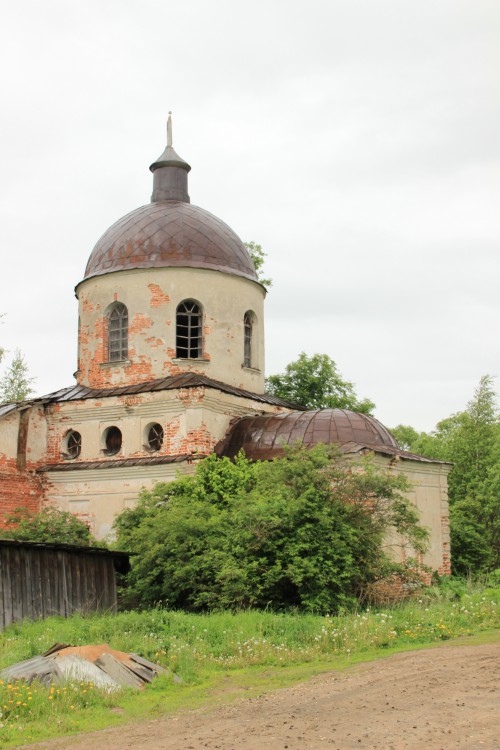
(37, 581)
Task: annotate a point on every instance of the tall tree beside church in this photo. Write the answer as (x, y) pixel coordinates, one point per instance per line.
(315, 383)
(471, 441)
(16, 384)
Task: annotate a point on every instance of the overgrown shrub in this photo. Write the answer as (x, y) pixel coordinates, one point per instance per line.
(306, 531)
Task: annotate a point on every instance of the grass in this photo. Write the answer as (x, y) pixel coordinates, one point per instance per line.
(220, 656)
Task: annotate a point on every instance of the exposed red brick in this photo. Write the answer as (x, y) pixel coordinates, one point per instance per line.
(158, 296)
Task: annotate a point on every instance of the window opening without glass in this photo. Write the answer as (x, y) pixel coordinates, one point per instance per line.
(73, 445)
(118, 333)
(113, 441)
(188, 330)
(155, 437)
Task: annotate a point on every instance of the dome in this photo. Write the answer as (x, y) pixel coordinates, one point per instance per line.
(170, 234)
(263, 437)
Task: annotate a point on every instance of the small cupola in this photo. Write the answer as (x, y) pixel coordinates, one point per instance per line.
(170, 173)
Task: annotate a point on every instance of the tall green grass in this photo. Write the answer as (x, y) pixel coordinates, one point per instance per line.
(199, 647)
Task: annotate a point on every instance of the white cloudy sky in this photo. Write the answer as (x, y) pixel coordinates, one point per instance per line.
(356, 140)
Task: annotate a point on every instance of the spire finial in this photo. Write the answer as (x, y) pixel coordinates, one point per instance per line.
(169, 129)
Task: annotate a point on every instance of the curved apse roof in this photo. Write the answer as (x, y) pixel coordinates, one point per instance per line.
(263, 437)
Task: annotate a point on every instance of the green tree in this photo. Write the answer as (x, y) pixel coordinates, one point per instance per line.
(471, 441)
(315, 383)
(306, 530)
(16, 384)
(49, 525)
(406, 436)
(258, 257)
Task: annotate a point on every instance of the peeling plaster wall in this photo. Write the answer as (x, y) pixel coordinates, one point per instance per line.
(152, 308)
(193, 420)
(98, 495)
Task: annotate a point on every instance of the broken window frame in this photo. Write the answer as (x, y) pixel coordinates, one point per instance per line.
(73, 445)
(155, 437)
(188, 330)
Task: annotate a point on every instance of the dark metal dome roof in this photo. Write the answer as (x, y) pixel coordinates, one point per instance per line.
(170, 233)
(263, 437)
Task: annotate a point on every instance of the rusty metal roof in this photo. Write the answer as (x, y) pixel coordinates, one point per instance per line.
(116, 463)
(184, 380)
(263, 437)
(168, 234)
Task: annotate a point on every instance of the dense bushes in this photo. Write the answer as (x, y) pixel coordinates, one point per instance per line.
(304, 531)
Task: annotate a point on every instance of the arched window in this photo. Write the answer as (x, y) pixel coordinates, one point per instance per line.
(118, 333)
(247, 341)
(112, 439)
(188, 330)
(72, 444)
(154, 437)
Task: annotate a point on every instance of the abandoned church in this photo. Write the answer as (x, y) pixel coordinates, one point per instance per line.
(170, 369)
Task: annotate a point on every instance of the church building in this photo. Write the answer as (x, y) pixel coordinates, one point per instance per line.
(170, 369)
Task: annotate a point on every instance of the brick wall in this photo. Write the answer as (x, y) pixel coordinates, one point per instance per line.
(18, 489)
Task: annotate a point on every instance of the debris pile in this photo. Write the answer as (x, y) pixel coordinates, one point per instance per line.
(105, 667)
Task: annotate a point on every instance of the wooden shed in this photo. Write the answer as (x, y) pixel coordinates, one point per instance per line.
(39, 580)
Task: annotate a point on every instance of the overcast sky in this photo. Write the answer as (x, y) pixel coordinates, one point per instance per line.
(356, 140)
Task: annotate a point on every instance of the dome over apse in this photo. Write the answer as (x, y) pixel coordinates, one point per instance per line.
(170, 232)
(263, 437)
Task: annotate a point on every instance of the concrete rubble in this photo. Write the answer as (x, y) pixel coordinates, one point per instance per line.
(105, 667)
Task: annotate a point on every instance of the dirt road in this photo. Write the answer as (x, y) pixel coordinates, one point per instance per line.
(437, 699)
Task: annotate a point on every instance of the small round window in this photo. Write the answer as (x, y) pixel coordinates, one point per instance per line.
(155, 437)
(73, 444)
(112, 440)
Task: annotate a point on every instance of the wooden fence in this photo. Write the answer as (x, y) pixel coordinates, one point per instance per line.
(39, 580)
